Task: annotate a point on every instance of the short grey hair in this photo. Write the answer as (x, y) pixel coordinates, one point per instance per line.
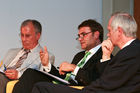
(36, 24)
(126, 22)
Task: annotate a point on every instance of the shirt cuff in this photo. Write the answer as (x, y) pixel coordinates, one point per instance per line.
(47, 68)
(76, 70)
(104, 60)
(19, 75)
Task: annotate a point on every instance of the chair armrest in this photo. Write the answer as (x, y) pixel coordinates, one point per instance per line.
(10, 85)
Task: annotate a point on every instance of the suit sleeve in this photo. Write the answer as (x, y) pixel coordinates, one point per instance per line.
(121, 70)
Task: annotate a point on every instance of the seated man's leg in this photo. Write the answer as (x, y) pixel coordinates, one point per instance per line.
(3, 82)
(28, 79)
(45, 87)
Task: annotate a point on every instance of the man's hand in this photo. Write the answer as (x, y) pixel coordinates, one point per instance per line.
(66, 67)
(107, 48)
(11, 73)
(44, 56)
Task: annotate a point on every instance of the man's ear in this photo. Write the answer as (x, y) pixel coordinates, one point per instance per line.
(120, 30)
(96, 34)
(38, 36)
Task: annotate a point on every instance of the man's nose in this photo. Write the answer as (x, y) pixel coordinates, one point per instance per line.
(23, 38)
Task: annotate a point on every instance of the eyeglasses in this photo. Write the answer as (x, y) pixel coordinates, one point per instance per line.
(82, 35)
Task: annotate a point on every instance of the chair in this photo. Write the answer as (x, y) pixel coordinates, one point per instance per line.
(78, 87)
(10, 86)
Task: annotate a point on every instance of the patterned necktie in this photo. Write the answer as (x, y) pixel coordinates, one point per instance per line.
(20, 60)
(84, 59)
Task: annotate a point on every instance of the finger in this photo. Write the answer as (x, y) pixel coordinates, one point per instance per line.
(45, 49)
(11, 77)
(8, 74)
(60, 66)
(41, 51)
(61, 72)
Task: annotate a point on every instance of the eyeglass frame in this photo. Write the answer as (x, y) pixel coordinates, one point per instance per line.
(83, 35)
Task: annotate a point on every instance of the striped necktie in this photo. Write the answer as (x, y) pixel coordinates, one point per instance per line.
(81, 64)
(20, 60)
(84, 59)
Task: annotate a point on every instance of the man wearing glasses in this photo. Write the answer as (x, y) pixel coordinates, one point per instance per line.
(122, 73)
(84, 67)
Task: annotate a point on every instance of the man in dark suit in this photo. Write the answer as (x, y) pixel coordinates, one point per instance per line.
(90, 36)
(122, 73)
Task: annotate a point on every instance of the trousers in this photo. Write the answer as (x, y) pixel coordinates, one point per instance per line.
(3, 82)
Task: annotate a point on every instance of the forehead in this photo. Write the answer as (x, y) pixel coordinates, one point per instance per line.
(84, 29)
(109, 23)
(28, 28)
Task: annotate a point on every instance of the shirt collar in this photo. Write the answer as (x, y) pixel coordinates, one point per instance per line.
(31, 50)
(95, 49)
(128, 43)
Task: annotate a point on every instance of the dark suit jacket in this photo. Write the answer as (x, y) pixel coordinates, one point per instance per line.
(89, 72)
(85, 75)
(122, 74)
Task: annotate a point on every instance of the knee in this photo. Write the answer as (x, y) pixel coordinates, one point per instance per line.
(26, 74)
(36, 88)
(28, 71)
(2, 77)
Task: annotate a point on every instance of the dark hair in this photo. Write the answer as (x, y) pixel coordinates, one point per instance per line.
(94, 26)
(36, 24)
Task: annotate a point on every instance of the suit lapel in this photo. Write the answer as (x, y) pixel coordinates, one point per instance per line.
(11, 56)
(30, 60)
(93, 59)
(78, 57)
(32, 57)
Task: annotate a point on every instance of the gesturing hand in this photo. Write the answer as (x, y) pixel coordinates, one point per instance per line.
(44, 56)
